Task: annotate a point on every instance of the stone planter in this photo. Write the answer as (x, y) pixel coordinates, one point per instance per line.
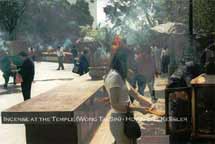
(97, 73)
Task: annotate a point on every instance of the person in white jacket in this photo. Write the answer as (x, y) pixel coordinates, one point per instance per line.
(60, 55)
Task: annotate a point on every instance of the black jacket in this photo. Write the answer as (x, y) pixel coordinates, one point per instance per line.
(27, 70)
(84, 65)
(74, 52)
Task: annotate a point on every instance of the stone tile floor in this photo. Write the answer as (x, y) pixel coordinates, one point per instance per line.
(46, 78)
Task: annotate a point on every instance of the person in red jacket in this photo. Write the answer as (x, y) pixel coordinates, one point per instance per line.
(145, 73)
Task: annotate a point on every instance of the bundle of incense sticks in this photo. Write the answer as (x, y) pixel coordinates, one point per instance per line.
(155, 111)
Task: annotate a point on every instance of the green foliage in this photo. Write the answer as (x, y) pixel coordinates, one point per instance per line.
(140, 13)
(45, 21)
(134, 18)
(88, 31)
(136, 14)
(10, 13)
(104, 35)
(81, 13)
(204, 14)
(177, 11)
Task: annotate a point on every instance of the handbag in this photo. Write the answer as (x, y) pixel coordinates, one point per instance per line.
(76, 69)
(18, 78)
(131, 127)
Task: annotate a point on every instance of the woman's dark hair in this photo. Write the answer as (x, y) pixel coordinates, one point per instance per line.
(119, 62)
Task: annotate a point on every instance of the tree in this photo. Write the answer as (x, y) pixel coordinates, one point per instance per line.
(133, 18)
(52, 21)
(10, 13)
(204, 14)
(81, 13)
(146, 12)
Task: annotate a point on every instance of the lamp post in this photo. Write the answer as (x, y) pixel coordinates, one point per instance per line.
(190, 51)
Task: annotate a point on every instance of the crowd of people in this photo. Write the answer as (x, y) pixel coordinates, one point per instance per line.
(80, 60)
(146, 64)
(21, 66)
(162, 59)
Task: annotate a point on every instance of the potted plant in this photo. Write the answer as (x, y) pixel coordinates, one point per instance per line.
(99, 63)
(97, 43)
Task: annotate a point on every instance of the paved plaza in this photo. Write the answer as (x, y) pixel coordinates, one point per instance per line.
(46, 78)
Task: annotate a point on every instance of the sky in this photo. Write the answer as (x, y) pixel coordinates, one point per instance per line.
(100, 12)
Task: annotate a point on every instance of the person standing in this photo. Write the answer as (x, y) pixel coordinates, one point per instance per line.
(74, 54)
(156, 53)
(146, 72)
(83, 63)
(164, 60)
(7, 67)
(27, 72)
(31, 52)
(118, 92)
(60, 55)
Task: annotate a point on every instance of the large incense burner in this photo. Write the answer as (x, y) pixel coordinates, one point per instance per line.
(203, 106)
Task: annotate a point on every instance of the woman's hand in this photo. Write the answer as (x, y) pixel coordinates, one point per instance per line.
(141, 99)
(145, 103)
(155, 111)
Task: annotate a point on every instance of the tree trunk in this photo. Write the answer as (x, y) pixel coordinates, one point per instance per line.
(12, 36)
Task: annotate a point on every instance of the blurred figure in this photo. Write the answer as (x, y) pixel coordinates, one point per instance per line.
(156, 53)
(27, 72)
(116, 44)
(31, 53)
(208, 54)
(60, 55)
(74, 54)
(83, 63)
(132, 70)
(164, 60)
(208, 60)
(145, 73)
(7, 68)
